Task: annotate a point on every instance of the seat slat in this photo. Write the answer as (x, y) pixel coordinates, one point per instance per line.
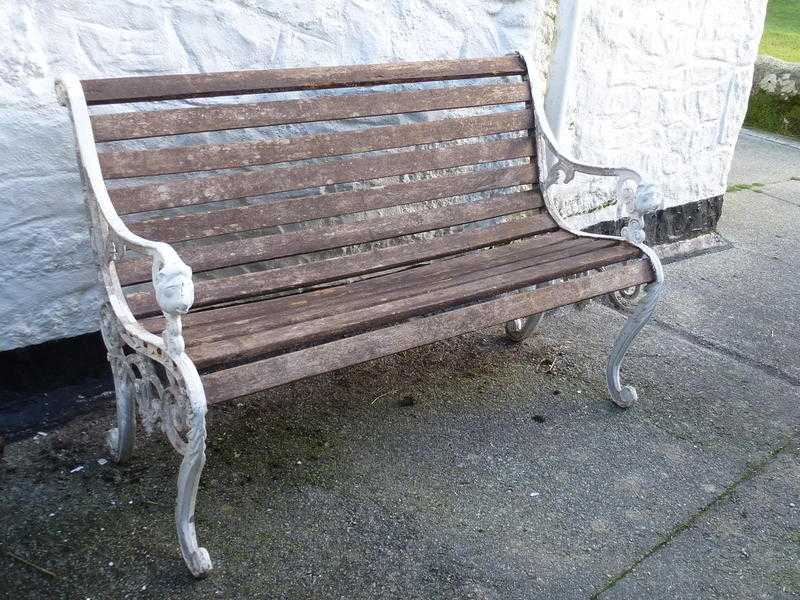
(172, 87)
(243, 251)
(220, 323)
(176, 121)
(382, 283)
(281, 313)
(201, 190)
(295, 210)
(245, 285)
(210, 157)
(259, 375)
(258, 342)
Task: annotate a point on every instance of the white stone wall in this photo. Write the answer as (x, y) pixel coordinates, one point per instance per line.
(661, 86)
(48, 288)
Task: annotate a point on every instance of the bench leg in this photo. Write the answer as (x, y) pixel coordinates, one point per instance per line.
(626, 396)
(521, 329)
(121, 438)
(167, 392)
(194, 458)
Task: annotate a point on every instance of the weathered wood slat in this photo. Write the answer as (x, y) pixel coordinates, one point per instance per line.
(210, 326)
(242, 286)
(248, 346)
(238, 252)
(254, 377)
(426, 276)
(307, 208)
(211, 157)
(170, 87)
(176, 121)
(200, 190)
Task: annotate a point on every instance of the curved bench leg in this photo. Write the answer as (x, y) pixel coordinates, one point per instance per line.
(121, 438)
(167, 391)
(626, 396)
(194, 458)
(521, 329)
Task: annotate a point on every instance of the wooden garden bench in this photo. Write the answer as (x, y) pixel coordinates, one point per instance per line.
(260, 253)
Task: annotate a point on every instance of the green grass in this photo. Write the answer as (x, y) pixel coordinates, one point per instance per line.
(738, 187)
(782, 30)
(770, 113)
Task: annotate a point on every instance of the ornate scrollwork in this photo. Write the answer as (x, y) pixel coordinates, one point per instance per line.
(152, 373)
(634, 200)
(152, 380)
(152, 384)
(627, 299)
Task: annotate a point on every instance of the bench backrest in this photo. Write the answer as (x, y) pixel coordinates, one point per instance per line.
(386, 148)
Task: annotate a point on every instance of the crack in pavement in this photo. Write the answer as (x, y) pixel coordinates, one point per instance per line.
(774, 197)
(752, 470)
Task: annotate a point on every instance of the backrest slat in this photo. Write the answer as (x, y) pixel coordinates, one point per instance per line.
(262, 248)
(172, 87)
(317, 176)
(176, 121)
(163, 161)
(308, 208)
(199, 190)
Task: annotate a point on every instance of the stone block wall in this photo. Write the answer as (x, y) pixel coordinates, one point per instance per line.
(775, 99)
(661, 87)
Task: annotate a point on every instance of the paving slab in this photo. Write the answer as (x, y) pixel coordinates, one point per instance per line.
(788, 191)
(761, 158)
(745, 298)
(745, 546)
(470, 469)
(761, 224)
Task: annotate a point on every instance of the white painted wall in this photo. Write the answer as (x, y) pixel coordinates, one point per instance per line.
(661, 87)
(658, 85)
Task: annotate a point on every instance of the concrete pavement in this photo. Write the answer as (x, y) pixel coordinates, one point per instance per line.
(475, 468)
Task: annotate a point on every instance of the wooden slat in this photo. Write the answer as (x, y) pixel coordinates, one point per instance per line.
(211, 157)
(423, 276)
(222, 323)
(176, 121)
(295, 210)
(238, 252)
(256, 376)
(242, 286)
(257, 343)
(200, 190)
(170, 87)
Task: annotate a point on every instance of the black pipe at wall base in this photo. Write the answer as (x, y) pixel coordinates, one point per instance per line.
(47, 384)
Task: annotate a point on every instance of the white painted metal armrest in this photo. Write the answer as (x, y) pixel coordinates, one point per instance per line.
(172, 278)
(557, 166)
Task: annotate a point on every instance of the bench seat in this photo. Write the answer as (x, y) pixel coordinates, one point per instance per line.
(217, 337)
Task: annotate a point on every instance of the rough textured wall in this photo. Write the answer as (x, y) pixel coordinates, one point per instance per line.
(661, 87)
(48, 287)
